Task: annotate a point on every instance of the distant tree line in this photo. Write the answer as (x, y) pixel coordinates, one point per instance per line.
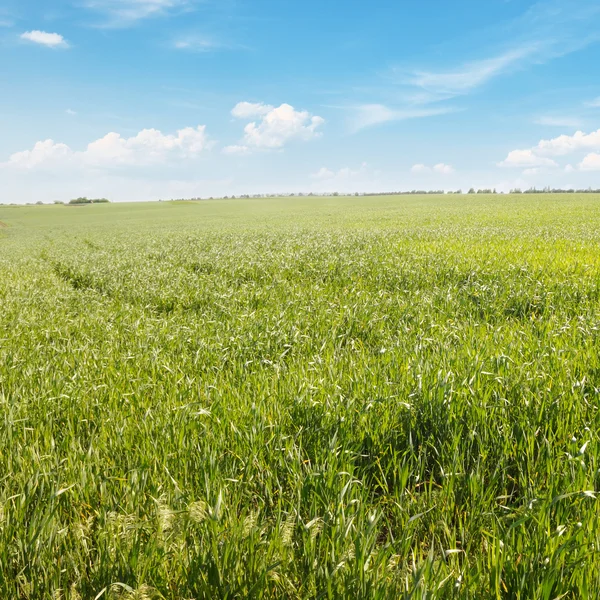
(84, 200)
(548, 190)
(533, 190)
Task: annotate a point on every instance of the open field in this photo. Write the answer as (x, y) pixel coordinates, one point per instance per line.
(301, 398)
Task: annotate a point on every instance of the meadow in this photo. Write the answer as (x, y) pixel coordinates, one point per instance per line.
(374, 397)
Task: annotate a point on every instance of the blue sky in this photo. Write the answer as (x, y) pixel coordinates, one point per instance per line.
(148, 99)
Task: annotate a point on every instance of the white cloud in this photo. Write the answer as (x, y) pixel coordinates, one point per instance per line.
(70, 112)
(547, 30)
(441, 168)
(42, 152)
(595, 103)
(470, 75)
(50, 40)
(247, 110)
(526, 159)
(126, 12)
(558, 121)
(236, 150)
(148, 147)
(323, 173)
(590, 163)
(343, 174)
(196, 44)
(567, 144)
(532, 171)
(368, 115)
(563, 145)
(346, 179)
(569, 169)
(276, 126)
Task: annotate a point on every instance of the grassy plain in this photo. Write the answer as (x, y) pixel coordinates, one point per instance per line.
(301, 398)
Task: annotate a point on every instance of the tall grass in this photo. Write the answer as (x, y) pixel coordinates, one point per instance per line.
(341, 398)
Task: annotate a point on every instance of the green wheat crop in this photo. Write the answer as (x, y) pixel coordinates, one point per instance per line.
(391, 397)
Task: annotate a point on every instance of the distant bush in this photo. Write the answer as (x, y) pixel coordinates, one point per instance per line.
(85, 200)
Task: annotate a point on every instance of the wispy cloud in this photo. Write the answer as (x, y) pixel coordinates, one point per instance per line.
(7, 17)
(368, 115)
(548, 30)
(196, 44)
(201, 43)
(595, 103)
(468, 76)
(565, 121)
(122, 13)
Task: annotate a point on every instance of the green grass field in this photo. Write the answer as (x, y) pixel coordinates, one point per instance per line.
(301, 398)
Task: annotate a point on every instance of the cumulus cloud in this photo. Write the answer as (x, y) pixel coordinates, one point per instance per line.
(247, 110)
(591, 162)
(148, 147)
(42, 152)
(562, 145)
(526, 159)
(275, 127)
(567, 144)
(441, 168)
(43, 38)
